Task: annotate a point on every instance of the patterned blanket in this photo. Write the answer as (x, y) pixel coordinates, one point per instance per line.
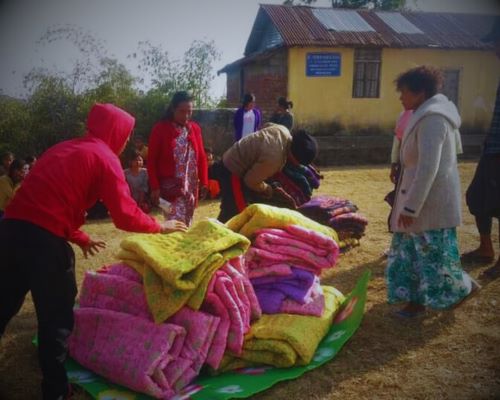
(176, 268)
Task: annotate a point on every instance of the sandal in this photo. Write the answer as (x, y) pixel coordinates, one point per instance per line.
(408, 314)
(492, 272)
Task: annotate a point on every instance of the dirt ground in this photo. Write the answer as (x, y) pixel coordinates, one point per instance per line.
(447, 355)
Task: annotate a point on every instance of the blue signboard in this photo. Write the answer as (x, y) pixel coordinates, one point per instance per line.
(323, 64)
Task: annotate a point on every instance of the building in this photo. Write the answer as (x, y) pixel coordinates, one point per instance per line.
(338, 66)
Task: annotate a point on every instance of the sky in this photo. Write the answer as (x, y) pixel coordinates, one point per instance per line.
(122, 24)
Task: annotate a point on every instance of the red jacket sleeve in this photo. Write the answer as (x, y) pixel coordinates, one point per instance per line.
(154, 151)
(80, 238)
(202, 160)
(115, 194)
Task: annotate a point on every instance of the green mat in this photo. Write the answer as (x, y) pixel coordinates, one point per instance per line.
(248, 381)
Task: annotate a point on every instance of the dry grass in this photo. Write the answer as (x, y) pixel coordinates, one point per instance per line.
(448, 355)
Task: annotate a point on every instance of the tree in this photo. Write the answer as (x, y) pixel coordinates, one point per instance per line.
(354, 4)
(194, 73)
(55, 112)
(14, 126)
(87, 67)
(197, 71)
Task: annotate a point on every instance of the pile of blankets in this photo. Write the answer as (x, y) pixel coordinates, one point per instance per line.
(339, 214)
(298, 181)
(180, 301)
(115, 336)
(284, 266)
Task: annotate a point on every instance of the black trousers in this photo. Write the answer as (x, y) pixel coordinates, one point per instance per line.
(483, 194)
(228, 202)
(35, 260)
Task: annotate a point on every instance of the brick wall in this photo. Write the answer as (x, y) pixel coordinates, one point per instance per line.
(267, 78)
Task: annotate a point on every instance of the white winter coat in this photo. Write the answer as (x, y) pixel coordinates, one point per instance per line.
(429, 185)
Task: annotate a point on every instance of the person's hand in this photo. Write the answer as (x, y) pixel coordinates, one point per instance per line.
(173, 226)
(394, 172)
(92, 247)
(405, 220)
(281, 194)
(155, 197)
(203, 192)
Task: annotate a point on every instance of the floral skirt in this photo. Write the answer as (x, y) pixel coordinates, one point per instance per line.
(425, 268)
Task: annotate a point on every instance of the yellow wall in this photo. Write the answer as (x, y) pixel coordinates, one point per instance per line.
(327, 98)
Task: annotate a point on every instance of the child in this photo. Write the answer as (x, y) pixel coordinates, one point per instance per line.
(213, 183)
(137, 179)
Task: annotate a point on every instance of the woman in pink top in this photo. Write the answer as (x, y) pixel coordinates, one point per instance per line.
(46, 213)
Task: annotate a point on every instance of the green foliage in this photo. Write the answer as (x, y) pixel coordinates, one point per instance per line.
(58, 102)
(14, 126)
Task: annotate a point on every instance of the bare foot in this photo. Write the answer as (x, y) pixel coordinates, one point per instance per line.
(479, 255)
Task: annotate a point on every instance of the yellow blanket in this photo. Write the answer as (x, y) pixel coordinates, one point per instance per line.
(285, 340)
(177, 267)
(258, 216)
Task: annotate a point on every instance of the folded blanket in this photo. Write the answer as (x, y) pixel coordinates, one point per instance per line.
(261, 259)
(128, 350)
(272, 291)
(231, 297)
(200, 331)
(285, 340)
(176, 268)
(299, 243)
(314, 305)
(118, 288)
(258, 216)
(112, 289)
(255, 270)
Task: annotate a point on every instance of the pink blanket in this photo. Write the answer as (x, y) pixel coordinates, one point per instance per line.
(119, 288)
(114, 290)
(231, 297)
(128, 350)
(300, 245)
(200, 331)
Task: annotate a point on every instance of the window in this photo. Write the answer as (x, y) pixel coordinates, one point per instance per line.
(450, 84)
(366, 73)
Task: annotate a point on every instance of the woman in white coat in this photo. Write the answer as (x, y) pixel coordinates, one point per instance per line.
(423, 268)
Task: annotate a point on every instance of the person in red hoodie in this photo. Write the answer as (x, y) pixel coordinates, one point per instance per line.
(46, 213)
(177, 164)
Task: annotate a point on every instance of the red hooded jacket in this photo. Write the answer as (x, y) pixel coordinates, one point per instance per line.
(72, 175)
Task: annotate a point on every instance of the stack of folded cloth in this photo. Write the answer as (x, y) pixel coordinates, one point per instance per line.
(298, 181)
(284, 267)
(115, 336)
(231, 297)
(339, 214)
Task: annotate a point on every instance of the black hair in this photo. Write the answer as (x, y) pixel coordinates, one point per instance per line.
(423, 78)
(248, 98)
(16, 165)
(286, 104)
(6, 154)
(178, 98)
(30, 159)
(304, 147)
(132, 154)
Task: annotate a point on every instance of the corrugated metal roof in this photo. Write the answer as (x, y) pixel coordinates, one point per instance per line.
(341, 20)
(299, 26)
(398, 23)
